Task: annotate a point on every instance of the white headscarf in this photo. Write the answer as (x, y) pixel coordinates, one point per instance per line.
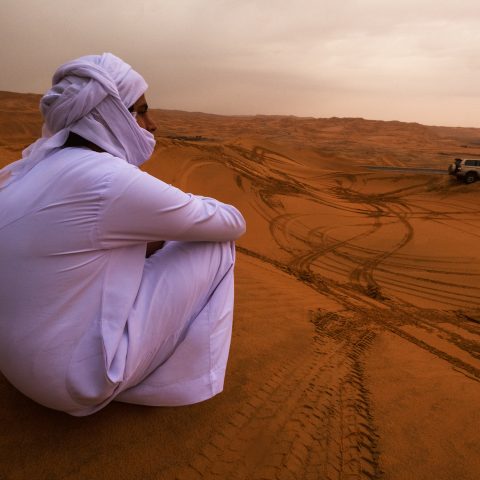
(90, 96)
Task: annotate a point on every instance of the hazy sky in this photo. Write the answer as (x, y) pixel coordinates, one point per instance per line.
(409, 60)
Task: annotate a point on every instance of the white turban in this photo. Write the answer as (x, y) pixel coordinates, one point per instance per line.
(90, 96)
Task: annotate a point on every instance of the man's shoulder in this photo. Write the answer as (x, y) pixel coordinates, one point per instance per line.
(88, 163)
(87, 155)
(75, 170)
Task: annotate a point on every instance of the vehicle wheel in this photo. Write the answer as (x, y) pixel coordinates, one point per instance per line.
(470, 178)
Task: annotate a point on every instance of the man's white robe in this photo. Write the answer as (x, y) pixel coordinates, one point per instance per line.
(85, 318)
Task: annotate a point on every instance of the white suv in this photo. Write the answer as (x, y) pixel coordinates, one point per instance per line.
(467, 169)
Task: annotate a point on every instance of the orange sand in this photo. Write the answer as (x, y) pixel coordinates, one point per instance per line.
(356, 346)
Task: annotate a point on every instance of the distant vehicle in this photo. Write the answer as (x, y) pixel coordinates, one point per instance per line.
(466, 169)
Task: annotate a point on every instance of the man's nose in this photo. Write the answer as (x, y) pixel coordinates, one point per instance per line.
(150, 125)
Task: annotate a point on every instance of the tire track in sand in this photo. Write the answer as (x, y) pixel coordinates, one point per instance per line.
(311, 419)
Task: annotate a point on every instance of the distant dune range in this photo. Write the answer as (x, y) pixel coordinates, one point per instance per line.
(356, 346)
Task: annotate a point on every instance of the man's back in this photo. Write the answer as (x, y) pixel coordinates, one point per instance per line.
(54, 272)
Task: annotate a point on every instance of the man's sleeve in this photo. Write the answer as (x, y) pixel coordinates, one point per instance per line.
(139, 207)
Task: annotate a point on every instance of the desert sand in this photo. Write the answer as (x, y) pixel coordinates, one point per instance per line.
(356, 344)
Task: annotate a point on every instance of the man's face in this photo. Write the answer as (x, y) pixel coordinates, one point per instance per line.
(140, 110)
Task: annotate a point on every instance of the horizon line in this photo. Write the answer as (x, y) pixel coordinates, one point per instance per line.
(251, 115)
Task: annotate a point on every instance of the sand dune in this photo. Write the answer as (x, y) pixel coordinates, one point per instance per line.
(356, 348)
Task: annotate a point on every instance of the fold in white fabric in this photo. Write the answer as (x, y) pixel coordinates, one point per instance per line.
(90, 96)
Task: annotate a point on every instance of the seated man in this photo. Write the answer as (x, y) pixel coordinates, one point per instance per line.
(85, 317)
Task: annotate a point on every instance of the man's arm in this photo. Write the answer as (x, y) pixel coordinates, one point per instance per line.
(140, 207)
